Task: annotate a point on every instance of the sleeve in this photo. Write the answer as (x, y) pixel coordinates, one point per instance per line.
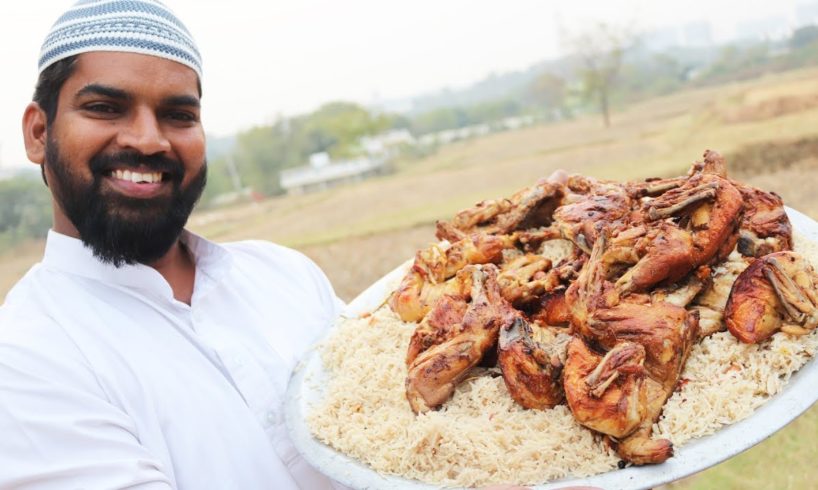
(57, 430)
(332, 303)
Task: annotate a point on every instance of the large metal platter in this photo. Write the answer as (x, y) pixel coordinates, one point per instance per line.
(695, 456)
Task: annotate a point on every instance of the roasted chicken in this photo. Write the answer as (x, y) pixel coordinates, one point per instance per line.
(590, 206)
(429, 277)
(525, 277)
(531, 207)
(434, 373)
(605, 316)
(605, 392)
(711, 301)
(440, 324)
(776, 292)
(685, 227)
(532, 368)
(764, 226)
(594, 293)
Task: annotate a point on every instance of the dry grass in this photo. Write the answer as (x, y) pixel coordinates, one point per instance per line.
(360, 232)
(15, 263)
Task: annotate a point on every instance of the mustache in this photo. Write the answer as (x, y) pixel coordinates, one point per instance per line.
(103, 164)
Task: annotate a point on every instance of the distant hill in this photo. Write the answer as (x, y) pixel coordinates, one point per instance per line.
(688, 60)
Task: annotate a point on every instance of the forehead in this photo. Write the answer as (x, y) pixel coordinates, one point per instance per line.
(137, 74)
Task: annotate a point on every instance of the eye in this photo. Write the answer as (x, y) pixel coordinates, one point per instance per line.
(101, 108)
(182, 116)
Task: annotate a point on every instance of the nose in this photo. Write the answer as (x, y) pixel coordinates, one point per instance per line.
(143, 132)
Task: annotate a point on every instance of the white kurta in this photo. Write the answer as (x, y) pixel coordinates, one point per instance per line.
(106, 381)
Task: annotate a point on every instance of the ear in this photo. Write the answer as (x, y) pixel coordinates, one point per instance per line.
(35, 132)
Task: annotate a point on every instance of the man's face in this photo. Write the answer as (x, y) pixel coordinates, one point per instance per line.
(125, 154)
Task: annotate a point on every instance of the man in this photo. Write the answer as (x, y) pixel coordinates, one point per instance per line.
(137, 354)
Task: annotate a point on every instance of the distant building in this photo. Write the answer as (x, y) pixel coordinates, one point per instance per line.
(322, 173)
(451, 135)
(387, 144)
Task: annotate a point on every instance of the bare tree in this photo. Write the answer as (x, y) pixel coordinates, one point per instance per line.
(600, 51)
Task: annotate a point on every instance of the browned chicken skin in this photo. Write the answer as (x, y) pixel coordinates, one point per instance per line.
(435, 372)
(665, 333)
(765, 227)
(583, 216)
(776, 292)
(525, 277)
(532, 369)
(428, 279)
(685, 227)
(531, 207)
(639, 448)
(438, 326)
(605, 393)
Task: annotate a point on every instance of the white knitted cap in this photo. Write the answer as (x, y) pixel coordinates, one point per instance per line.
(134, 26)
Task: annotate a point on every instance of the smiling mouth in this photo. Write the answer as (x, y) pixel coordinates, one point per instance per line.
(137, 177)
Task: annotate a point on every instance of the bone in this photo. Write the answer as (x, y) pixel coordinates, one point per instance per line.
(627, 357)
(789, 293)
(709, 193)
(660, 188)
(599, 390)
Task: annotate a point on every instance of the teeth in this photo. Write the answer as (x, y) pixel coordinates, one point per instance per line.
(148, 177)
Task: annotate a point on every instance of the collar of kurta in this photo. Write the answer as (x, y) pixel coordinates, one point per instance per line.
(69, 255)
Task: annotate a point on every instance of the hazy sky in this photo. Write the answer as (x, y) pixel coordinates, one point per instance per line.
(264, 58)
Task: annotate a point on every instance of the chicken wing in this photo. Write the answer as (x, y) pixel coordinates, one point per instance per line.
(605, 392)
(441, 323)
(776, 292)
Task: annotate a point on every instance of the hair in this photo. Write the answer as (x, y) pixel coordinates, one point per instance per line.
(49, 83)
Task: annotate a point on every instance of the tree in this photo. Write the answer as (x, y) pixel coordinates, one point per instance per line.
(804, 36)
(547, 93)
(601, 51)
(26, 210)
(261, 153)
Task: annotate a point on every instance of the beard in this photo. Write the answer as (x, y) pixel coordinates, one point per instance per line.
(120, 229)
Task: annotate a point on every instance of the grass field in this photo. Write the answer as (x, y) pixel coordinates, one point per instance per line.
(768, 129)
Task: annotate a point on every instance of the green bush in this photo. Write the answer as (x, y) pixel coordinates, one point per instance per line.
(25, 213)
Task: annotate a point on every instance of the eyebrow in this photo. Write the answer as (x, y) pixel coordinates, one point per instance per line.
(103, 90)
(116, 93)
(182, 100)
